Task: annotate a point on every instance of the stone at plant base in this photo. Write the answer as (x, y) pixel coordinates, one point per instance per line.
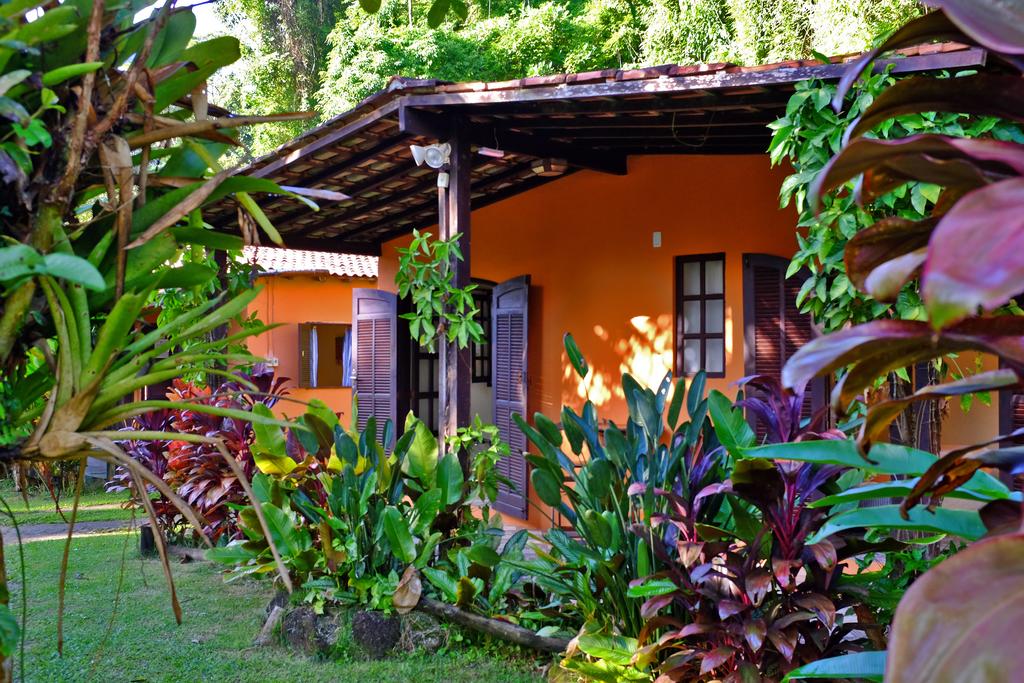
(299, 629)
(421, 631)
(311, 633)
(375, 633)
(281, 599)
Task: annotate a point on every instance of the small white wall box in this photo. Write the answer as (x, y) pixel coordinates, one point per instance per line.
(656, 239)
(272, 361)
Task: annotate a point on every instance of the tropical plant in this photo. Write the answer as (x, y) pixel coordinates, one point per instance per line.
(108, 152)
(967, 258)
(349, 517)
(591, 575)
(195, 470)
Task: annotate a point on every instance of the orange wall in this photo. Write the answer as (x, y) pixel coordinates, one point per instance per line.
(301, 298)
(586, 242)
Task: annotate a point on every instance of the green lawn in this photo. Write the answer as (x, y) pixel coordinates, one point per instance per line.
(42, 510)
(213, 643)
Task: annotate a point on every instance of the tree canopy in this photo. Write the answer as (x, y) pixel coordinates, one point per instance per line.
(327, 55)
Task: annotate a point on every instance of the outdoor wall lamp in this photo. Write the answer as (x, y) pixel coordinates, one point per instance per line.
(434, 156)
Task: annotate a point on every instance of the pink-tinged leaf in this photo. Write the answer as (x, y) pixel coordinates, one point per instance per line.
(755, 631)
(961, 620)
(758, 583)
(784, 641)
(881, 415)
(1001, 517)
(996, 24)
(728, 608)
(653, 605)
(922, 157)
(932, 26)
(824, 553)
(689, 553)
(881, 346)
(824, 608)
(716, 658)
(976, 254)
(792, 618)
(888, 238)
(981, 94)
(686, 632)
(636, 489)
(783, 570)
(885, 281)
(713, 489)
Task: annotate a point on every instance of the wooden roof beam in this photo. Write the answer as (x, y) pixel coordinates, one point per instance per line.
(432, 125)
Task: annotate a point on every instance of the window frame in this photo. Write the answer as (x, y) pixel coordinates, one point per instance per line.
(480, 352)
(680, 335)
(303, 382)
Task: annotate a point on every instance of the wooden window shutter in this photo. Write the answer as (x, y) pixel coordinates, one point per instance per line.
(774, 327)
(305, 357)
(509, 322)
(1011, 418)
(374, 324)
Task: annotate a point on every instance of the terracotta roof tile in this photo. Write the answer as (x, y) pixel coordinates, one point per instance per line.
(275, 260)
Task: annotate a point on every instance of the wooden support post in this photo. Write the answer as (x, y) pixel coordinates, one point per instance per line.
(454, 220)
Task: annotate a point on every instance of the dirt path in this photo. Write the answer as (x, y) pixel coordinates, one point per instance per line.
(49, 532)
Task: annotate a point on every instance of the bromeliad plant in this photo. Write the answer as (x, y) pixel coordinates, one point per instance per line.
(108, 152)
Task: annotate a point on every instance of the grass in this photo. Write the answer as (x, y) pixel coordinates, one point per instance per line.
(214, 641)
(42, 510)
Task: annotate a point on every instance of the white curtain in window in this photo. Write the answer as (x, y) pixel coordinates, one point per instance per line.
(314, 356)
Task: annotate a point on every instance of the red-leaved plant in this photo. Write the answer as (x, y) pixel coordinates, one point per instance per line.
(197, 471)
(754, 597)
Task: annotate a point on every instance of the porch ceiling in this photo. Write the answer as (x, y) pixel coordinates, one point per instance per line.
(592, 120)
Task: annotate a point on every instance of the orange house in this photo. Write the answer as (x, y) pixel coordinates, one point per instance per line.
(309, 294)
(635, 209)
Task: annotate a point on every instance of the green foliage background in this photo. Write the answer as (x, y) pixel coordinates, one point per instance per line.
(327, 55)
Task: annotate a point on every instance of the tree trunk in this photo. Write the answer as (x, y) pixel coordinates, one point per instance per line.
(494, 627)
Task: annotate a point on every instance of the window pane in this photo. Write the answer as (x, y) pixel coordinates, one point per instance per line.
(691, 278)
(714, 310)
(691, 317)
(714, 277)
(691, 356)
(715, 358)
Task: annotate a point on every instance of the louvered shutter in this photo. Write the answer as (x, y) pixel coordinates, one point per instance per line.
(374, 323)
(508, 376)
(305, 358)
(1011, 418)
(774, 326)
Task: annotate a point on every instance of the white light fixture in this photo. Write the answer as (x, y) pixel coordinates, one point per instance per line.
(492, 152)
(434, 156)
(549, 167)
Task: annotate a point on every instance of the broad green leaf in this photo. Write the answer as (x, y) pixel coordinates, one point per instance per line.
(547, 486)
(966, 524)
(483, 555)
(651, 588)
(421, 459)
(73, 269)
(397, 529)
(63, 73)
(450, 479)
(436, 14)
(731, 427)
(12, 78)
(576, 359)
(615, 649)
(233, 553)
(868, 666)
